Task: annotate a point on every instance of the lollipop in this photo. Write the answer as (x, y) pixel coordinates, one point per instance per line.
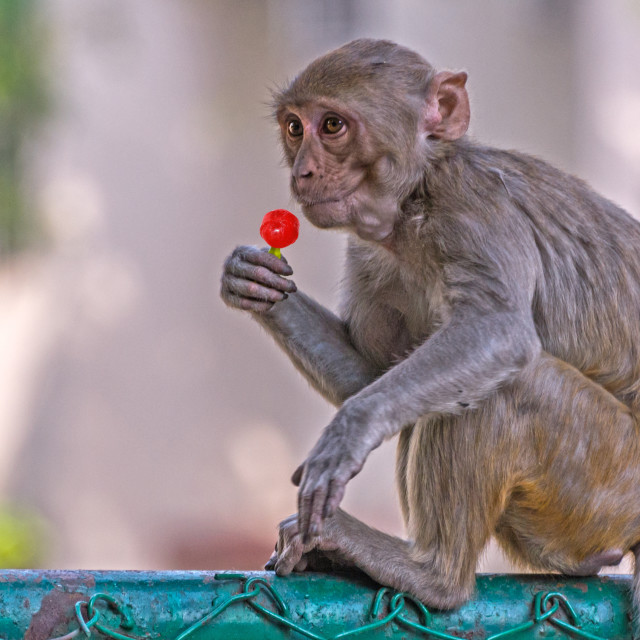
(279, 229)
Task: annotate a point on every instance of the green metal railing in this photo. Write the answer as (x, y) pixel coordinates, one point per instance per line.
(61, 605)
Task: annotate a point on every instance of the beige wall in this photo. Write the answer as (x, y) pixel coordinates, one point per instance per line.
(151, 425)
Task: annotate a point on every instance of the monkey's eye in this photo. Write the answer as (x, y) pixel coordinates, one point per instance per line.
(294, 128)
(332, 125)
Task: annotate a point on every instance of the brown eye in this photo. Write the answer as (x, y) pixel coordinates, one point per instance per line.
(294, 128)
(332, 125)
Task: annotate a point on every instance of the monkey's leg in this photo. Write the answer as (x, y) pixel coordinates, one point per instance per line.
(573, 504)
(453, 476)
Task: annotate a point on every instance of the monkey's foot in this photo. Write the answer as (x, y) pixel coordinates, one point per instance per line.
(592, 564)
(292, 553)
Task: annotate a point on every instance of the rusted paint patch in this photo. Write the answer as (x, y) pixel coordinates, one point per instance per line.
(55, 614)
(8, 575)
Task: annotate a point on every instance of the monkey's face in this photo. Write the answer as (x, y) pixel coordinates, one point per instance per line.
(333, 169)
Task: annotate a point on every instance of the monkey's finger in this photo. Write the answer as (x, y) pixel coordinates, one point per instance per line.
(252, 290)
(246, 304)
(310, 507)
(302, 564)
(316, 512)
(282, 259)
(266, 259)
(271, 563)
(261, 275)
(287, 531)
(334, 497)
(290, 523)
(305, 510)
(282, 541)
(289, 557)
(304, 507)
(296, 478)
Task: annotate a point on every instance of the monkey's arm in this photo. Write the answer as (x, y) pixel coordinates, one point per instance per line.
(318, 344)
(316, 340)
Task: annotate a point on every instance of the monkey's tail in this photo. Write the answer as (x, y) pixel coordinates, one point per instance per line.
(635, 593)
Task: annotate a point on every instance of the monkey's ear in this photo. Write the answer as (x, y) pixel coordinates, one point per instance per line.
(446, 109)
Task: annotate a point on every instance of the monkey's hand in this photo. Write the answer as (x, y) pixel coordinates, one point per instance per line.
(293, 554)
(252, 279)
(338, 455)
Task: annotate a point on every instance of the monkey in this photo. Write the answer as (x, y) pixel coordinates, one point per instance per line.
(489, 318)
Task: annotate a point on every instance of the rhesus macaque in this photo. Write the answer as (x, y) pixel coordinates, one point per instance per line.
(490, 316)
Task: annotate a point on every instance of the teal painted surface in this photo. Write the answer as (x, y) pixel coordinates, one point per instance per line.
(38, 605)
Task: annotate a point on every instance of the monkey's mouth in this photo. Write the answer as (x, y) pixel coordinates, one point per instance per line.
(310, 201)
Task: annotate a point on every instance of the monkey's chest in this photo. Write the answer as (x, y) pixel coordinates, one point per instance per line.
(397, 320)
(420, 312)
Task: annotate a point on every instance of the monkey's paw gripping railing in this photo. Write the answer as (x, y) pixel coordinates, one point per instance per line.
(202, 606)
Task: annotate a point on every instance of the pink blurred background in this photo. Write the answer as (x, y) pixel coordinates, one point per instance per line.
(147, 424)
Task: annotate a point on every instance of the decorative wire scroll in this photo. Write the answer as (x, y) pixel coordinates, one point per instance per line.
(388, 606)
(92, 620)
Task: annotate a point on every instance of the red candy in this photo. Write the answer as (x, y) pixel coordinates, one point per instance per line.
(279, 228)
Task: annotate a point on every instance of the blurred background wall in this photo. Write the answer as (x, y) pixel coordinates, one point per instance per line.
(143, 422)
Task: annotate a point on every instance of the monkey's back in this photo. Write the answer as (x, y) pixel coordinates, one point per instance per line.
(586, 304)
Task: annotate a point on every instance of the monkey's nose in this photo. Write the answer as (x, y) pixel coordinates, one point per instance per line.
(302, 173)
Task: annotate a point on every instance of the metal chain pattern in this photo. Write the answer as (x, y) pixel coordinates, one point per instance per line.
(388, 606)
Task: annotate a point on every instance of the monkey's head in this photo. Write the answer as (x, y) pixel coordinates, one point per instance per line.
(359, 126)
